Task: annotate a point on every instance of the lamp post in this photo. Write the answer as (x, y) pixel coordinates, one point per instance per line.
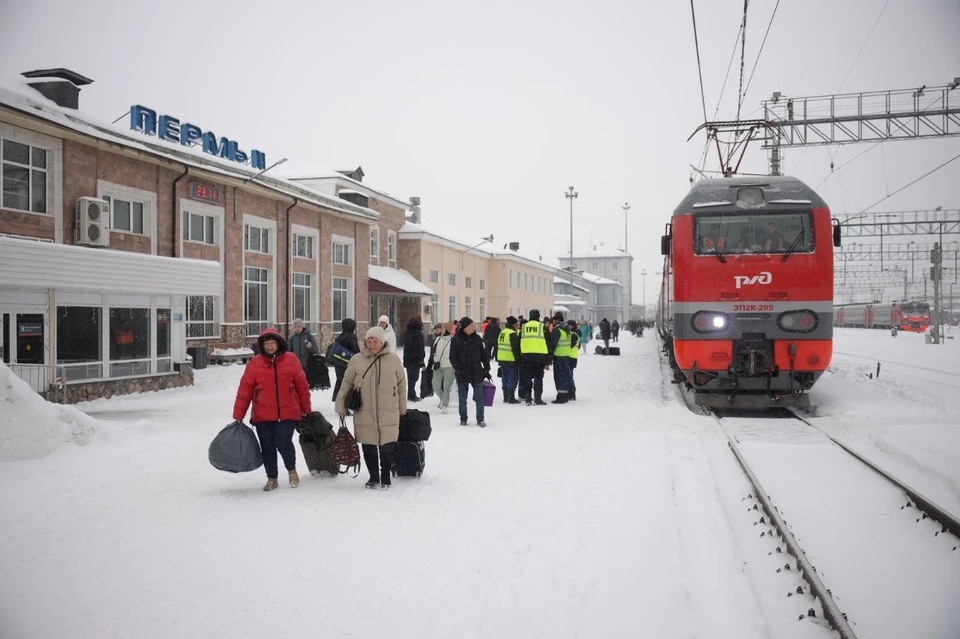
(643, 276)
(571, 195)
(912, 261)
(626, 209)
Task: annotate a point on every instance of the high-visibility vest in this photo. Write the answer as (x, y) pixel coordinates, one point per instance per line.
(504, 348)
(563, 345)
(574, 345)
(532, 340)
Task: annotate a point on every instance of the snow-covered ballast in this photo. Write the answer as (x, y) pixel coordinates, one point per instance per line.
(95, 322)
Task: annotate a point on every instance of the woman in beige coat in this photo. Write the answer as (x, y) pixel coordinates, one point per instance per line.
(381, 378)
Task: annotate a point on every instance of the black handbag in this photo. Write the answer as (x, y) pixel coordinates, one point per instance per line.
(352, 400)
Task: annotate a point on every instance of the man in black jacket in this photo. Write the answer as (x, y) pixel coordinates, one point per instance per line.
(471, 364)
(348, 339)
(414, 352)
(490, 337)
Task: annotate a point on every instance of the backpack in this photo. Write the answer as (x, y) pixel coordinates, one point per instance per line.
(345, 450)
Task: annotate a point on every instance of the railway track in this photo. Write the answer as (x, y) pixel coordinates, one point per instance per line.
(777, 428)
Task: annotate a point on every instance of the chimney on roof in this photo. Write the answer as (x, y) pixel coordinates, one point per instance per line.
(60, 85)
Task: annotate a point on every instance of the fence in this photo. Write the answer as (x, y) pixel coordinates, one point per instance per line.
(47, 380)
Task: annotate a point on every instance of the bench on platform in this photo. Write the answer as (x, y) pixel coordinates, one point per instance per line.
(230, 355)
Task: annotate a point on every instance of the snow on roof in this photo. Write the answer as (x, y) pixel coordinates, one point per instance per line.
(462, 242)
(559, 279)
(596, 279)
(40, 107)
(351, 192)
(362, 188)
(568, 300)
(560, 309)
(601, 252)
(398, 278)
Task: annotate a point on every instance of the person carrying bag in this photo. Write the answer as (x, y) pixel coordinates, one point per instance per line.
(377, 375)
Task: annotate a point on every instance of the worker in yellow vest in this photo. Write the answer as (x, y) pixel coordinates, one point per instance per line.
(534, 356)
(508, 356)
(559, 345)
(572, 356)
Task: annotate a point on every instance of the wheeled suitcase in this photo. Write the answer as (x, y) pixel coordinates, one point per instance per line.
(318, 461)
(613, 350)
(409, 458)
(318, 377)
(415, 426)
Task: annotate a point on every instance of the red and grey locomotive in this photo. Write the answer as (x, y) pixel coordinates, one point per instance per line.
(746, 301)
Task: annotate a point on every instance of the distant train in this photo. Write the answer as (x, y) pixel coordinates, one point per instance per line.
(746, 302)
(907, 316)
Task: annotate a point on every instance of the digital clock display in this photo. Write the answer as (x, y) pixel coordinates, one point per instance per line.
(205, 192)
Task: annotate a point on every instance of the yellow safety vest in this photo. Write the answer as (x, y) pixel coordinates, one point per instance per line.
(532, 340)
(574, 345)
(504, 349)
(563, 346)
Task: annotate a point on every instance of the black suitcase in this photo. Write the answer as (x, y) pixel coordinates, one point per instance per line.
(415, 426)
(318, 377)
(614, 350)
(409, 458)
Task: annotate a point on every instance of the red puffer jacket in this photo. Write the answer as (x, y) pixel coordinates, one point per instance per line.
(275, 384)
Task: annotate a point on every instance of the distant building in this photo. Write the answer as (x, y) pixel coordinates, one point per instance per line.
(596, 297)
(611, 264)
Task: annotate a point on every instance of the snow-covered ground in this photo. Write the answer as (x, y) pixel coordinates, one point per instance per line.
(622, 514)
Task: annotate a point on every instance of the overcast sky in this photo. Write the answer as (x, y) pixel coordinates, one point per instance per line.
(489, 111)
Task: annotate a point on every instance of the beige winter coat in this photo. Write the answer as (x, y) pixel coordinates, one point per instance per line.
(383, 392)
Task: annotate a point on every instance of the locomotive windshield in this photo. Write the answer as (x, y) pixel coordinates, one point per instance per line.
(916, 308)
(751, 233)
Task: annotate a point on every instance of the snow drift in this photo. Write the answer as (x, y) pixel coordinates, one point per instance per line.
(31, 427)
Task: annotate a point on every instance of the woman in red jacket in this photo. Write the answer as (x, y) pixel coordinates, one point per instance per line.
(274, 381)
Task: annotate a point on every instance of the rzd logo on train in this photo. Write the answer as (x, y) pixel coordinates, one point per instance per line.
(765, 277)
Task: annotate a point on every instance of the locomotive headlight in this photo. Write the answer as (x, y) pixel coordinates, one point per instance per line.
(750, 196)
(709, 321)
(803, 321)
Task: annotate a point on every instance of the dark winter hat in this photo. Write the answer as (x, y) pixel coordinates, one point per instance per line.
(558, 316)
(271, 333)
(465, 321)
(534, 314)
(348, 325)
(572, 323)
(511, 320)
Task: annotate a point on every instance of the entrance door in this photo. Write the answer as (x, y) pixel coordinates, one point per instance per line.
(5, 342)
(30, 338)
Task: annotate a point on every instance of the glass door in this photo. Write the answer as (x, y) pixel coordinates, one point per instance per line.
(5, 341)
(29, 338)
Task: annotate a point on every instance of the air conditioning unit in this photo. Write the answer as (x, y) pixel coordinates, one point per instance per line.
(92, 228)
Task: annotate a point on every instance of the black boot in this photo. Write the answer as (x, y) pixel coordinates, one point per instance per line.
(386, 464)
(561, 398)
(572, 395)
(371, 459)
(512, 398)
(538, 400)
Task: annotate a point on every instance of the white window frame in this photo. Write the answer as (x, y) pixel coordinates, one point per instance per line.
(348, 297)
(452, 307)
(483, 307)
(349, 246)
(309, 246)
(30, 168)
(210, 231)
(310, 287)
(468, 306)
(211, 326)
(451, 279)
(434, 276)
(314, 235)
(392, 249)
(344, 250)
(483, 285)
(511, 279)
(468, 283)
(267, 296)
(253, 229)
(375, 245)
(129, 194)
(54, 148)
(435, 308)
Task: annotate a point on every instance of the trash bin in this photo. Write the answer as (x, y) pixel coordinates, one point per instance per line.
(199, 355)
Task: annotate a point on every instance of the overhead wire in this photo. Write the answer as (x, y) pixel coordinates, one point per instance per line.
(909, 184)
(743, 54)
(760, 52)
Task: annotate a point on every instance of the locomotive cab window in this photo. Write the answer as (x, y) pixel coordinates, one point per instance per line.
(753, 233)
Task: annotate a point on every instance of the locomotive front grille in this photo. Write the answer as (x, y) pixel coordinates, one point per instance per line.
(754, 355)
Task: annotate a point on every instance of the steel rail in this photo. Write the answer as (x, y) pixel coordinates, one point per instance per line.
(830, 609)
(933, 510)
